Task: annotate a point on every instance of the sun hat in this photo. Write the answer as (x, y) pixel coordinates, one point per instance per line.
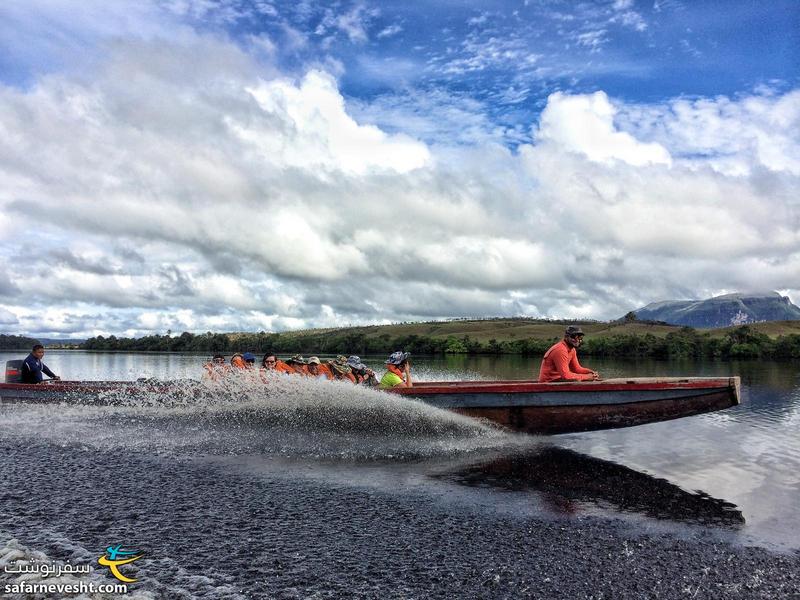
(573, 330)
(313, 360)
(298, 359)
(339, 364)
(397, 358)
(355, 363)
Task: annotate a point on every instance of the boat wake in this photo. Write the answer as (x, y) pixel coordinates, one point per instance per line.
(239, 415)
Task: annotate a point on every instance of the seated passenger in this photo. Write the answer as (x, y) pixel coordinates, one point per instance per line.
(237, 361)
(249, 360)
(399, 371)
(317, 369)
(33, 367)
(341, 370)
(363, 374)
(215, 368)
(298, 365)
(271, 363)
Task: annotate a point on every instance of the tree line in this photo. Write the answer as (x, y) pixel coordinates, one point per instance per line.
(16, 342)
(687, 342)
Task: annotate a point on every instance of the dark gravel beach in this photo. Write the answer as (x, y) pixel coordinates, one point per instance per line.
(210, 529)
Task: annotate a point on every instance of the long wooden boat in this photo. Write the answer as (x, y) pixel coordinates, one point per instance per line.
(524, 406)
(551, 408)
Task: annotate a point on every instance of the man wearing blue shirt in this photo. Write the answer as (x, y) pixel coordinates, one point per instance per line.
(32, 367)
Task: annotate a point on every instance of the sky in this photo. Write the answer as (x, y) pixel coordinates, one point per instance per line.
(259, 165)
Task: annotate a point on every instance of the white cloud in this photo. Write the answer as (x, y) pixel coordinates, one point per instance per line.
(731, 136)
(325, 136)
(585, 124)
(227, 197)
(389, 31)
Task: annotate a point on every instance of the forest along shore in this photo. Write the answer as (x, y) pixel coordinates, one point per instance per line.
(520, 336)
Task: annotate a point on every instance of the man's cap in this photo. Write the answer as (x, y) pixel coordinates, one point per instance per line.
(313, 360)
(249, 357)
(573, 330)
(355, 363)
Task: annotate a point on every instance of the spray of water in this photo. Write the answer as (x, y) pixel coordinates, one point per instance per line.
(241, 414)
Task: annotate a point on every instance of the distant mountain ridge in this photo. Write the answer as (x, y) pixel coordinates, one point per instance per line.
(722, 311)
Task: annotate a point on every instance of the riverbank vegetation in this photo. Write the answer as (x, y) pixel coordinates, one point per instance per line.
(528, 337)
(16, 342)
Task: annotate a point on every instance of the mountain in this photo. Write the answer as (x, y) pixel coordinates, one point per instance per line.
(722, 311)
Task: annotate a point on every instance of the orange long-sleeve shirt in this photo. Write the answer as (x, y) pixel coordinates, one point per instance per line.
(560, 362)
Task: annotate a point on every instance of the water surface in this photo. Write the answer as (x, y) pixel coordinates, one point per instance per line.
(732, 474)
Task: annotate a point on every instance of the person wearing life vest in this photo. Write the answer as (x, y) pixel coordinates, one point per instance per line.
(249, 360)
(341, 370)
(317, 370)
(298, 365)
(271, 363)
(560, 362)
(33, 367)
(215, 368)
(363, 374)
(237, 361)
(398, 372)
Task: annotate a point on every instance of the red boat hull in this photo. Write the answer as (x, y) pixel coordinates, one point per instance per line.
(553, 408)
(524, 406)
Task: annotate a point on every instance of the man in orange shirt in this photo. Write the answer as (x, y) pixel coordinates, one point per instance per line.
(560, 362)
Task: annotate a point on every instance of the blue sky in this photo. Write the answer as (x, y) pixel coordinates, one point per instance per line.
(550, 158)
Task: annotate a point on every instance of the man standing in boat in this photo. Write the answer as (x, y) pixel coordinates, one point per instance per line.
(33, 367)
(560, 362)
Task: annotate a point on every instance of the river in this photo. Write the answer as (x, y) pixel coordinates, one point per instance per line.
(329, 469)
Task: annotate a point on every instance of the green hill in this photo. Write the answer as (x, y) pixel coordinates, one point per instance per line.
(627, 337)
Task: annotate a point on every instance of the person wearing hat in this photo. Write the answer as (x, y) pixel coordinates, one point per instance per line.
(363, 374)
(249, 360)
(341, 370)
(398, 372)
(298, 365)
(560, 362)
(317, 370)
(237, 361)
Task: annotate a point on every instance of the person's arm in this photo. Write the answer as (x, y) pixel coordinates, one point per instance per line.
(562, 363)
(48, 372)
(577, 368)
(407, 372)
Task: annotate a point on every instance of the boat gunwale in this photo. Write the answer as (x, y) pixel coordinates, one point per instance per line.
(529, 386)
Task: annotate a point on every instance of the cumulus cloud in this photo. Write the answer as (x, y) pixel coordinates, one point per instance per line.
(143, 196)
(585, 124)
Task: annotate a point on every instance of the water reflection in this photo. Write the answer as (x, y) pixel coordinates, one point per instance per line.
(566, 480)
